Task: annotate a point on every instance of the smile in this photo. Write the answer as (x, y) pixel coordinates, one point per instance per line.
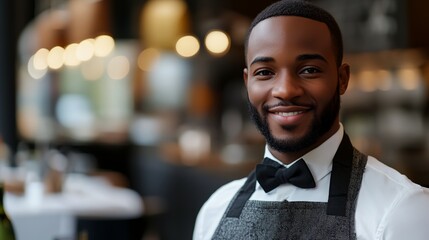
(288, 114)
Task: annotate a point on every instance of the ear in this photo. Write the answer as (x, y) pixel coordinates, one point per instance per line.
(344, 76)
(245, 76)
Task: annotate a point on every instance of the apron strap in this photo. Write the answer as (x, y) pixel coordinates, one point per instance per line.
(340, 178)
(242, 196)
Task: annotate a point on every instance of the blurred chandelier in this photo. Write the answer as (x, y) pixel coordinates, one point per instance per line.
(163, 22)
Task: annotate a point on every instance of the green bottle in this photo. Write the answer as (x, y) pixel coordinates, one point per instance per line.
(6, 228)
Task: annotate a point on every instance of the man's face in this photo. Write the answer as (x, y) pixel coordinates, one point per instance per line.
(293, 82)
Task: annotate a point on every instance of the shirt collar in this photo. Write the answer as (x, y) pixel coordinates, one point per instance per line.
(319, 160)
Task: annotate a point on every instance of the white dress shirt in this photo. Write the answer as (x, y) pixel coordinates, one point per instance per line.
(389, 205)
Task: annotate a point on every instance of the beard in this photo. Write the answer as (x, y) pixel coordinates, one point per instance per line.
(320, 125)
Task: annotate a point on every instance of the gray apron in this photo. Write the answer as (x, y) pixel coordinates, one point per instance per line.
(264, 220)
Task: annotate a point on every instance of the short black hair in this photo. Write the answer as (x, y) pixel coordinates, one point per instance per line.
(301, 8)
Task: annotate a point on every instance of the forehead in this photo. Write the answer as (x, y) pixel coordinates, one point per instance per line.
(289, 35)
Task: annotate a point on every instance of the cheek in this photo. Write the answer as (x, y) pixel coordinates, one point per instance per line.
(322, 94)
(257, 93)
(326, 98)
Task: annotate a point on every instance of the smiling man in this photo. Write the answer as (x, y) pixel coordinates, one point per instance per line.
(293, 84)
(312, 182)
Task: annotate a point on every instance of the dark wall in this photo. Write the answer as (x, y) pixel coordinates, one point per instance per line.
(418, 27)
(14, 15)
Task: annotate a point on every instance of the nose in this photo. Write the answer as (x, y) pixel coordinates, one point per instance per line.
(287, 86)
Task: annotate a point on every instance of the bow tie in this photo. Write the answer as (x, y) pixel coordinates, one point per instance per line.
(271, 174)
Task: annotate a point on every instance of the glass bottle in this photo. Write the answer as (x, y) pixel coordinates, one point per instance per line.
(6, 228)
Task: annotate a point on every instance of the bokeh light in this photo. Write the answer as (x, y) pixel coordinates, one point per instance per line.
(187, 46)
(367, 81)
(103, 45)
(85, 50)
(409, 78)
(147, 58)
(217, 42)
(70, 56)
(40, 59)
(118, 67)
(56, 58)
(33, 72)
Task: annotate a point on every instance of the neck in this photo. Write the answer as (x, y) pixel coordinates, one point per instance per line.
(289, 157)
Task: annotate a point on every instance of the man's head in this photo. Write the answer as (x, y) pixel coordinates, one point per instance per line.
(295, 76)
(306, 10)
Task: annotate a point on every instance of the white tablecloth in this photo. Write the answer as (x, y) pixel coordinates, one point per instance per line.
(53, 216)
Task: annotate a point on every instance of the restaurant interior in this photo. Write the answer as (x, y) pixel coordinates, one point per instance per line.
(118, 119)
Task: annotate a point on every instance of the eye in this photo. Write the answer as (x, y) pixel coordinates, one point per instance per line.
(263, 72)
(310, 70)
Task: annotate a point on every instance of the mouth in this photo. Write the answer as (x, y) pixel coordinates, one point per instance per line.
(288, 114)
(289, 110)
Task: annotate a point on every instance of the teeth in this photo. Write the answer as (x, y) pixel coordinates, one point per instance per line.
(287, 114)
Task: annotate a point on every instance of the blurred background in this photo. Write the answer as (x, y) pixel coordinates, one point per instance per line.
(148, 95)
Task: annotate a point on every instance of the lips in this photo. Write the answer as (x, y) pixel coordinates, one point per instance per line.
(288, 115)
(288, 110)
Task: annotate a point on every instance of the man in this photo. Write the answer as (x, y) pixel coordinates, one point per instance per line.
(312, 183)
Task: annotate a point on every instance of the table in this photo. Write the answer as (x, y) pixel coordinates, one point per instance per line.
(54, 216)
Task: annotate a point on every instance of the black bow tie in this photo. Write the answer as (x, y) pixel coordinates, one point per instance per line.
(271, 174)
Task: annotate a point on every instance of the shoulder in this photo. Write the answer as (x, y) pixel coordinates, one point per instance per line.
(387, 197)
(225, 193)
(381, 187)
(221, 198)
(213, 209)
(378, 174)
(387, 184)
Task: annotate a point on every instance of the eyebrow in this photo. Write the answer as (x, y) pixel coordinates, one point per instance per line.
(302, 57)
(262, 59)
(305, 57)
